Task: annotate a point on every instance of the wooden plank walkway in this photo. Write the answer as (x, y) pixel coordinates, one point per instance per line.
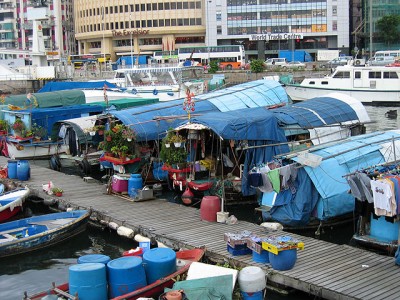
(323, 269)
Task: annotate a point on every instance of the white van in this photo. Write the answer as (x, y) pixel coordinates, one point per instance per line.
(275, 62)
(381, 61)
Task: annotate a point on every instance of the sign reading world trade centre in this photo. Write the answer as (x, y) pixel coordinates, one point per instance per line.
(275, 36)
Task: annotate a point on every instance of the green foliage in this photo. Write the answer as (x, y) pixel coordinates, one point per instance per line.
(172, 154)
(388, 29)
(3, 125)
(118, 145)
(213, 67)
(257, 66)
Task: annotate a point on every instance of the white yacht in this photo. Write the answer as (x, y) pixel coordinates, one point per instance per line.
(369, 84)
(165, 82)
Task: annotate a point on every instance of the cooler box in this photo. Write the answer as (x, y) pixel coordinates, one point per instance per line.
(119, 184)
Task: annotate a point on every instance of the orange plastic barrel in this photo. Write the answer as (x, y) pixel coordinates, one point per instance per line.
(209, 207)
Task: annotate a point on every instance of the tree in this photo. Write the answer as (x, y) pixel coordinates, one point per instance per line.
(388, 29)
(257, 66)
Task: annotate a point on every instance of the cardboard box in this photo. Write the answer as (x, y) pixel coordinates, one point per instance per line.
(239, 238)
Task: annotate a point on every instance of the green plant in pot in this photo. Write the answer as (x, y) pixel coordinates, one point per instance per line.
(3, 125)
(18, 126)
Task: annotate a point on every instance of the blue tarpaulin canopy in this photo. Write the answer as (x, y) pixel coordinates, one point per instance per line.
(152, 121)
(328, 195)
(316, 112)
(249, 124)
(53, 86)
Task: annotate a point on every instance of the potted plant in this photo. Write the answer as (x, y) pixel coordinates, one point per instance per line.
(100, 129)
(128, 134)
(38, 132)
(57, 191)
(115, 150)
(108, 134)
(3, 126)
(123, 151)
(177, 140)
(18, 126)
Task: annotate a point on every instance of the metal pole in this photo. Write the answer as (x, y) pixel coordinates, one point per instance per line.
(130, 25)
(102, 29)
(370, 28)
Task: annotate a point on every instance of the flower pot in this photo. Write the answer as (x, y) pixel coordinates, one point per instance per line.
(92, 133)
(167, 145)
(108, 138)
(100, 132)
(177, 145)
(129, 139)
(59, 194)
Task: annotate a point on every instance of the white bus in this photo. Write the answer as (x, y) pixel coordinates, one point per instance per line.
(228, 56)
(394, 53)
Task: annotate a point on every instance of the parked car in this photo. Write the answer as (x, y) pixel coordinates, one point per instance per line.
(294, 65)
(339, 61)
(275, 62)
(381, 61)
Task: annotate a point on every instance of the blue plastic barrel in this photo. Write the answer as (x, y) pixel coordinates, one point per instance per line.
(135, 183)
(23, 170)
(158, 263)
(12, 169)
(89, 281)
(285, 260)
(94, 258)
(125, 274)
(262, 257)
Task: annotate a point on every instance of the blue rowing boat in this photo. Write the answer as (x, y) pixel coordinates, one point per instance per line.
(42, 231)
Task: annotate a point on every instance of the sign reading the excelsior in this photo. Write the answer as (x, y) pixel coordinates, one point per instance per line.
(130, 32)
(275, 36)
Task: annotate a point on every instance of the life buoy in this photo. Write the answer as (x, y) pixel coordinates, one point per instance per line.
(134, 91)
(155, 92)
(357, 62)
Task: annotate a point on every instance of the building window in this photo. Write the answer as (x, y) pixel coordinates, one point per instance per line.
(334, 25)
(219, 29)
(173, 22)
(115, 9)
(137, 7)
(198, 4)
(334, 10)
(166, 6)
(154, 6)
(148, 6)
(167, 22)
(149, 23)
(155, 23)
(137, 24)
(143, 23)
(161, 23)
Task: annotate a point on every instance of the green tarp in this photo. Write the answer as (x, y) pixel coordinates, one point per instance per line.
(126, 102)
(50, 99)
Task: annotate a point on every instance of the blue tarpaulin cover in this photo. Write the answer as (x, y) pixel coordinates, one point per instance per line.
(316, 112)
(328, 179)
(151, 122)
(53, 86)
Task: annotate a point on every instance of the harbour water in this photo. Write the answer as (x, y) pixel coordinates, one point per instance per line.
(36, 271)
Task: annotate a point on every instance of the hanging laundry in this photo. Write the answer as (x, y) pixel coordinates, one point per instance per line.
(383, 194)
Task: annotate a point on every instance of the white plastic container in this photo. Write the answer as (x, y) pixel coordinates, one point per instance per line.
(252, 280)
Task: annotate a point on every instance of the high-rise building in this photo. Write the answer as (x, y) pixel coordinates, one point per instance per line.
(16, 30)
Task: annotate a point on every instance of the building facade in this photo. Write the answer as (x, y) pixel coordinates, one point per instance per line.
(122, 27)
(16, 28)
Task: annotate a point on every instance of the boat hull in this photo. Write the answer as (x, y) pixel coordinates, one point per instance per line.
(75, 223)
(42, 150)
(368, 96)
(11, 203)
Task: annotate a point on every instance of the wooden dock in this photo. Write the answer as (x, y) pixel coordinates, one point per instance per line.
(322, 269)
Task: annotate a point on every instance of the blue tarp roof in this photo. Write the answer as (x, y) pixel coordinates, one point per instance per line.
(316, 112)
(53, 86)
(152, 120)
(250, 124)
(338, 160)
(328, 179)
